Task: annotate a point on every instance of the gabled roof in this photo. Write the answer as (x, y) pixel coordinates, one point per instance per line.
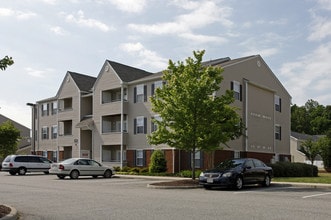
(128, 73)
(301, 136)
(84, 82)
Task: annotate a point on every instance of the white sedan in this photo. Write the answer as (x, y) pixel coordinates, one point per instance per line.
(75, 167)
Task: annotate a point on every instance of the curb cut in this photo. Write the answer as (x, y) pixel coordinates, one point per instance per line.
(12, 215)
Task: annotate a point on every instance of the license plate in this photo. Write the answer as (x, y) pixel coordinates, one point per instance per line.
(210, 180)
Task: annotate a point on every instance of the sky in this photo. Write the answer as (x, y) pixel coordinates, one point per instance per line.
(47, 38)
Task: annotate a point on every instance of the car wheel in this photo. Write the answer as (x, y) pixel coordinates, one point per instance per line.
(207, 187)
(21, 171)
(95, 176)
(12, 173)
(61, 177)
(266, 181)
(238, 184)
(107, 174)
(74, 174)
(46, 172)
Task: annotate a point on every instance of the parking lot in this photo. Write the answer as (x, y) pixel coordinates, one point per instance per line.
(38, 196)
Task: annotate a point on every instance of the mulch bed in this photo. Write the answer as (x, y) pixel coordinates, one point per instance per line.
(4, 210)
(188, 182)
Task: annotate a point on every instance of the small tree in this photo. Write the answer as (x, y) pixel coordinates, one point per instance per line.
(325, 146)
(158, 162)
(5, 62)
(193, 116)
(311, 149)
(9, 137)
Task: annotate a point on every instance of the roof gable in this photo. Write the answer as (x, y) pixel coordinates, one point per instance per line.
(83, 82)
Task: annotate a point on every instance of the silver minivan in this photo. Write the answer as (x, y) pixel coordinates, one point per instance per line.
(22, 164)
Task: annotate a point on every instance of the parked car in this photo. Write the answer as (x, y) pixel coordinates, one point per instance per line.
(75, 167)
(22, 164)
(237, 172)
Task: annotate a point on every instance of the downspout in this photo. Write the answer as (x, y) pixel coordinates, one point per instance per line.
(122, 123)
(246, 114)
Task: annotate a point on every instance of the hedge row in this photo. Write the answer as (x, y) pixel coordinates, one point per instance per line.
(287, 169)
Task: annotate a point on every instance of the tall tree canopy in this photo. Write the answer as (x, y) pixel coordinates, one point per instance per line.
(9, 137)
(5, 62)
(192, 116)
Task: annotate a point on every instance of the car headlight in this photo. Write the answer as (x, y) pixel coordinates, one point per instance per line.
(227, 174)
(202, 174)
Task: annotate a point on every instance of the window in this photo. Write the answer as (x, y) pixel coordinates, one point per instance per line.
(140, 93)
(54, 158)
(155, 85)
(140, 158)
(54, 131)
(140, 125)
(54, 108)
(44, 133)
(278, 103)
(237, 90)
(154, 124)
(278, 132)
(44, 109)
(198, 159)
(113, 95)
(236, 154)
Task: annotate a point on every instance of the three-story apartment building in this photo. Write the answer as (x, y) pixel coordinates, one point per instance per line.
(108, 117)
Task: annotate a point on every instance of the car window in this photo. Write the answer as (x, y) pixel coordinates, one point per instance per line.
(94, 163)
(230, 164)
(258, 163)
(44, 160)
(249, 163)
(7, 159)
(34, 159)
(21, 159)
(83, 162)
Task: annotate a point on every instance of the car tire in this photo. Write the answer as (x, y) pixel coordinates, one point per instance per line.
(13, 173)
(238, 184)
(21, 171)
(95, 176)
(74, 174)
(46, 172)
(207, 187)
(107, 174)
(61, 177)
(267, 181)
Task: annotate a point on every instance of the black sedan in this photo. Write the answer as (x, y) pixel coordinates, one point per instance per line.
(237, 172)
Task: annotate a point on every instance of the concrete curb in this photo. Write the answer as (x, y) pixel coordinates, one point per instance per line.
(12, 215)
(309, 185)
(172, 187)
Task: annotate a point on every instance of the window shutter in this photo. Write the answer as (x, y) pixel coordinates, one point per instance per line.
(134, 158)
(145, 93)
(144, 158)
(153, 89)
(280, 105)
(135, 95)
(145, 125)
(231, 85)
(47, 136)
(280, 133)
(135, 126)
(47, 109)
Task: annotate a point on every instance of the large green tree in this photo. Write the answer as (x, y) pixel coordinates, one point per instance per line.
(5, 62)
(9, 137)
(193, 117)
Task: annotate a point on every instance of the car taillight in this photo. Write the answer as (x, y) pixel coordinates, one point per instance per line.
(11, 165)
(61, 167)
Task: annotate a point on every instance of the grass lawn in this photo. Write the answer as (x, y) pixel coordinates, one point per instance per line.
(322, 178)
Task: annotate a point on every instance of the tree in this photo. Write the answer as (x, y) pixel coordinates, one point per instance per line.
(158, 162)
(325, 145)
(192, 116)
(5, 62)
(9, 137)
(311, 149)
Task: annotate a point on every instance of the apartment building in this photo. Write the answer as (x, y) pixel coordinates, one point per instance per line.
(108, 117)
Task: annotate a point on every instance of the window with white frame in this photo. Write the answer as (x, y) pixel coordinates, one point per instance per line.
(139, 157)
(154, 124)
(54, 107)
(54, 131)
(236, 154)
(155, 85)
(44, 132)
(54, 156)
(140, 93)
(44, 154)
(44, 109)
(237, 90)
(278, 132)
(278, 103)
(197, 159)
(140, 125)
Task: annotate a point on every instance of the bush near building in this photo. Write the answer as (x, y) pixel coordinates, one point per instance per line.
(287, 169)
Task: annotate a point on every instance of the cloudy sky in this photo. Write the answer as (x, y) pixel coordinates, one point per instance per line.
(47, 38)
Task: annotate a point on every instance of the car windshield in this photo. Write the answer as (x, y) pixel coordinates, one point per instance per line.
(230, 164)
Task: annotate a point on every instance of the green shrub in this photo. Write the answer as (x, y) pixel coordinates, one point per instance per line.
(158, 162)
(287, 169)
(144, 170)
(134, 170)
(117, 169)
(188, 173)
(125, 169)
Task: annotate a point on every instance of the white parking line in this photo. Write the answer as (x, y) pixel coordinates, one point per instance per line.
(315, 195)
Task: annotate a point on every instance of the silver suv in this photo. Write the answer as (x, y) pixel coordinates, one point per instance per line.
(25, 163)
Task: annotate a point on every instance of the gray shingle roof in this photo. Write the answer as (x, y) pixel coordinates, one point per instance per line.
(128, 73)
(84, 82)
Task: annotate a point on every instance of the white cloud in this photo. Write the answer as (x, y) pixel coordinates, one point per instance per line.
(309, 77)
(200, 15)
(80, 20)
(321, 28)
(146, 57)
(203, 38)
(37, 73)
(58, 31)
(7, 12)
(135, 6)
